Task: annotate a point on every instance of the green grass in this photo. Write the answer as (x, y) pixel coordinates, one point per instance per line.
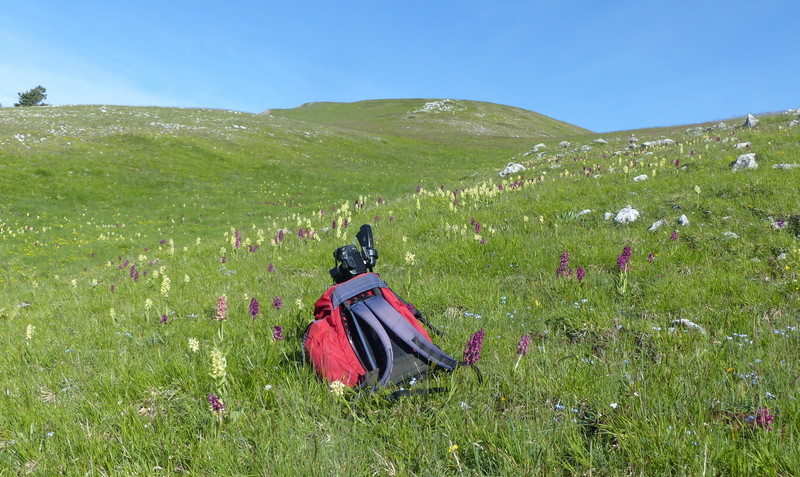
(437, 120)
(606, 388)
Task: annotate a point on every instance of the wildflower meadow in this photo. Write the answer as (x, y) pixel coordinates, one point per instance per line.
(160, 267)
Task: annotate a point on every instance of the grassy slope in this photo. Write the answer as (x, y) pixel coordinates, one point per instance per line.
(118, 392)
(448, 120)
(191, 172)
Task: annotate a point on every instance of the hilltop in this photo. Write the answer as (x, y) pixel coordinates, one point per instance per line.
(441, 119)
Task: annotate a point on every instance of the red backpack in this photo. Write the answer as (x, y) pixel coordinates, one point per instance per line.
(364, 335)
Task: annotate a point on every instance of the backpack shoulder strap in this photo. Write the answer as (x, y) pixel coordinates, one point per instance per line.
(399, 325)
(360, 311)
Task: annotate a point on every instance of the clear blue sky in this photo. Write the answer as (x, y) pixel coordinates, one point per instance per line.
(604, 66)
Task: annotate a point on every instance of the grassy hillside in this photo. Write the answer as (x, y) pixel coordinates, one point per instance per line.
(446, 120)
(192, 173)
(680, 360)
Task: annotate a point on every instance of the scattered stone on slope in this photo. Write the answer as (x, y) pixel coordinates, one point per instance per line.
(660, 142)
(793, 123)
(626, 215)
(785, 166)
(600, 141)
(639, 178)
(688, 324)
(608, 216)
(656, 225)
(584, 212)
(440, 106)
(586, 148)
(564, 144)
(538, 147)
(743, 145)
(751, 121)
(512, 168)
(745, 161)
(683, 220)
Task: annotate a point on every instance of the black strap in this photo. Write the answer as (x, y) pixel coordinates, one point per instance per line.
(477, 371)
(414, 392)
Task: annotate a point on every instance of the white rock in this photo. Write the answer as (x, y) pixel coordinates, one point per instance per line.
(743, 145)
(660, 142)
(608, 216)
(642, 177)
(793, 123)
(745, 161)
(564, 144)
(626, 215)
(512, 168)
(656, 225)
(689, 325)
(539, 146)
(586, 148)
(600, 141)
(785, 166)
(683, 220)
(440, 106)
(751, 121)
(584, 212)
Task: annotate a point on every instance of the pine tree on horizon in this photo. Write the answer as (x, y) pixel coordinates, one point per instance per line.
(32, 97)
